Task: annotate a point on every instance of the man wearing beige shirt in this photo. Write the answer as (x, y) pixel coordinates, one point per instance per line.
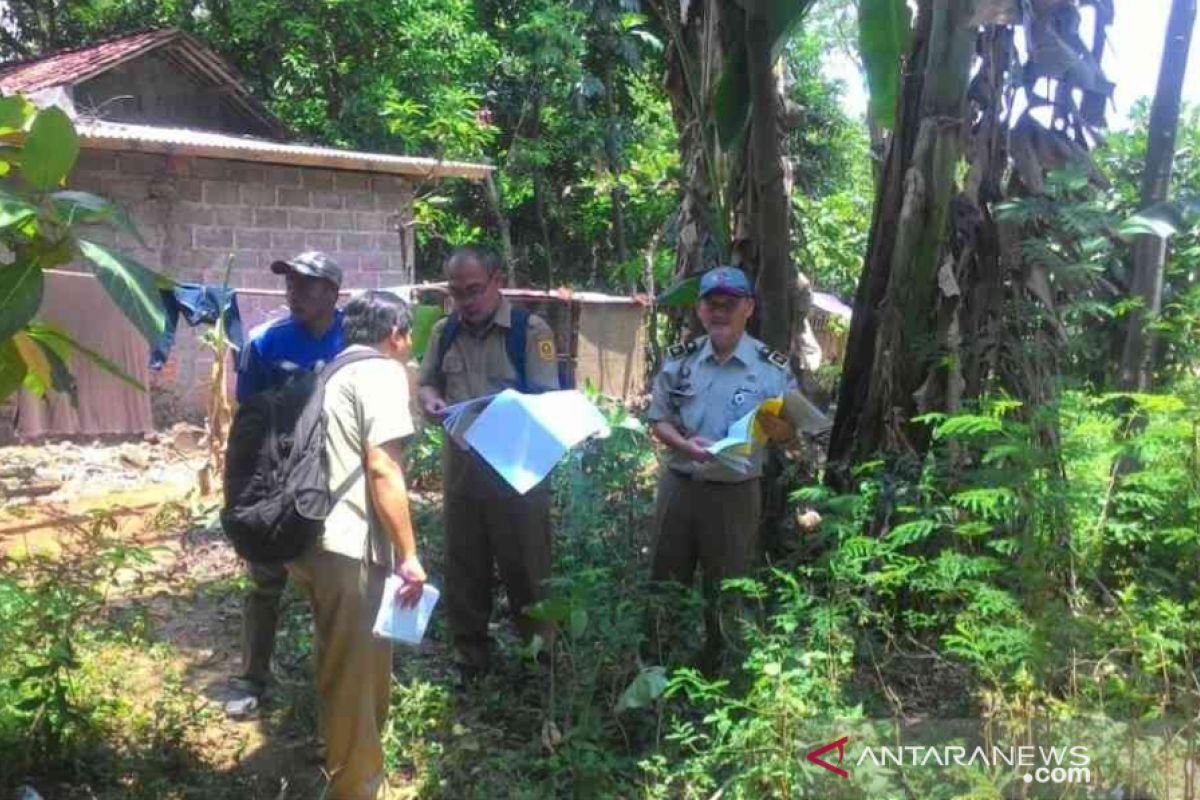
(368, 534)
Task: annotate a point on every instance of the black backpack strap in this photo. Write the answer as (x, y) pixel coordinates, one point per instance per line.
(345, 359)
(314, 407)
(449, 334)
(514, 343)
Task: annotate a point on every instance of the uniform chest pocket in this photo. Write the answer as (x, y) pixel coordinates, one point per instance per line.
(688, 400)
(453, 363)
(743, 400)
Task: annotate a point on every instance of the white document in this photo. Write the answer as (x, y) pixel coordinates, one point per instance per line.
(404, 624)
(522, 436)
(460, 416)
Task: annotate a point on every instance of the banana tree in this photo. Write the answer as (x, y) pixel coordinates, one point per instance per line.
(930, 326)
(724, 86)
(1150, 250)
(41, 228)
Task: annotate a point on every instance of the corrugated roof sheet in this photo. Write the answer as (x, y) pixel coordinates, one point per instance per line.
(831, 304)
(106, 135)
(79, 64)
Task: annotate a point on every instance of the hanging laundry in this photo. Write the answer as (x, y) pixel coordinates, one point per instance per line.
(199, 305)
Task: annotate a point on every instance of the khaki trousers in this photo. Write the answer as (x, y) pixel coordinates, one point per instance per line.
(713, 525)
(260, 618)
(353, 668)
(514, 533)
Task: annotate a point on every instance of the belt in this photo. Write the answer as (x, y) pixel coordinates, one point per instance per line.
(691, 476)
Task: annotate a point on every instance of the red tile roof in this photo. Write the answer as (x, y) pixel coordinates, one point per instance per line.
(70, 67)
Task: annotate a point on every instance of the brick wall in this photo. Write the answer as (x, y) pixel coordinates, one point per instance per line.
(193, 212)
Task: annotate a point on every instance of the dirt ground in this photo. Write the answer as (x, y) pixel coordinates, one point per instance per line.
(190, 599)
(157, 688)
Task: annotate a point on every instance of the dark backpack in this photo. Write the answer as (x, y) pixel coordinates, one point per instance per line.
(514, 346)
(276, 471)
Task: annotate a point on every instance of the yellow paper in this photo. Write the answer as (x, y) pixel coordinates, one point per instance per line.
(772, 406)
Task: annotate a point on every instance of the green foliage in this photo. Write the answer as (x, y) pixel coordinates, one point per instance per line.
(831, 206)
(52, 604)
(832, 238)
(21, 287)
(38, 227)
(132, 286)
(50, 150)
(1020, 583)
(731, 97)
(1123, 158)
(1162, 220)
(884, 37)
(1076, 263)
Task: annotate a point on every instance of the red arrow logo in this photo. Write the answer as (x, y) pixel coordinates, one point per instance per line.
(840, 744)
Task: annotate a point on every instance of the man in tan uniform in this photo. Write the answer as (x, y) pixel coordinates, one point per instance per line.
(472, 354)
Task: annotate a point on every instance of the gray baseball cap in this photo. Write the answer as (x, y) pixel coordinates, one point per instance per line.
(725, 280)
(313, 264)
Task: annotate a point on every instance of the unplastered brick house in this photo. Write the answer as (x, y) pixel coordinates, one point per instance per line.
(172, 134)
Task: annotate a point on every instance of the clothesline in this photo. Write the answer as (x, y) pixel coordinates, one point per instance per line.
(271, 292)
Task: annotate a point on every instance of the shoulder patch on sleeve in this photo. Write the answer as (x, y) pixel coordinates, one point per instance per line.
(773, 356)
(545, 348)
(682, 349)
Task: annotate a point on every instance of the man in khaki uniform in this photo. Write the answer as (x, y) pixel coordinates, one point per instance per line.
(707, 510)
(486, 521)
(368, 534)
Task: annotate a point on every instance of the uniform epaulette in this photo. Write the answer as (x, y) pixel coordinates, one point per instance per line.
(774, 356)
(682, 349)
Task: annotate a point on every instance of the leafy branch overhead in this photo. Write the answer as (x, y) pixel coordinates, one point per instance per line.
(884, 40)
(39, 224)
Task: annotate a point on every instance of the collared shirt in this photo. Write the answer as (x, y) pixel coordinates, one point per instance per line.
(361, 412)
(477, 362)
(280, 348)
(702, 395)
(475, 365)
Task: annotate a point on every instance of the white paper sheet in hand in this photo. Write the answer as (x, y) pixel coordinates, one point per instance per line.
(404, 624)
(522, 436)
(460, 416)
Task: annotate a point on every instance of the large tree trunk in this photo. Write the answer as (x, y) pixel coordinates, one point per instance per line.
(1149, 252)
(496, 206)
(693, 63)
(776, 279)
(893, 359)
(612, 154)
(859, 358)
(539, 207)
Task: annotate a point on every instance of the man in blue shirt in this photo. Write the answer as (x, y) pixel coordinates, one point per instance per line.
(307, 339)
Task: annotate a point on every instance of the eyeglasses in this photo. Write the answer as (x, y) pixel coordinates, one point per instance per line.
(469, 292)
(721, 302)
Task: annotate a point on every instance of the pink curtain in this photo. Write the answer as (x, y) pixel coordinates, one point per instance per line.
(78, 304)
